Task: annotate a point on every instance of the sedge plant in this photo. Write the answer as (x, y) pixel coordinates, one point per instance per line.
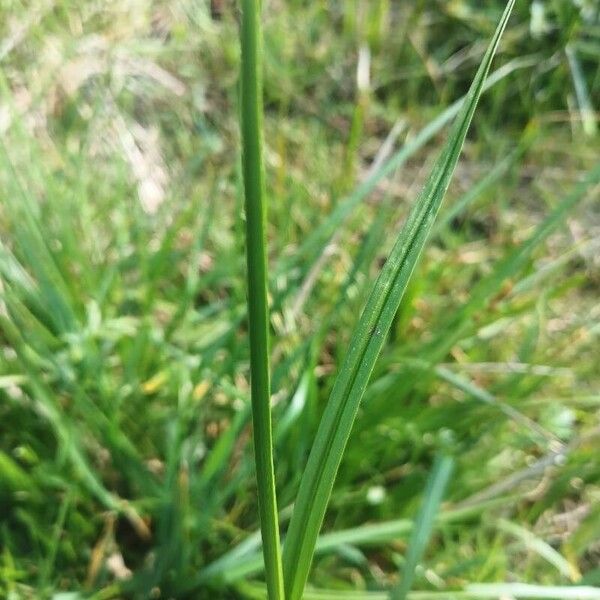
(368, 337)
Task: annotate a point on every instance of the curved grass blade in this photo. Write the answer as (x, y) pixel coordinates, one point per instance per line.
(258, 310)
(244, 560)
(366, 343)
(434, 492)
(479, 591)
(542, 548)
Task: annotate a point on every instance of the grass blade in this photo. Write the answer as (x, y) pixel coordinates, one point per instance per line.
(586, 108)
(434, 492)
(535, 544)
(258, 311)
(243, 561)
(366, 343)
(480, 591)
(525, 590)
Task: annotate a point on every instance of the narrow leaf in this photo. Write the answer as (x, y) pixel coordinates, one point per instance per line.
(258, 311)
(434, 492)
(366, 343)
(540, 547)
(480, 591)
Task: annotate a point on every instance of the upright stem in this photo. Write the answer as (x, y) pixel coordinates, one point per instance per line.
(258, 311)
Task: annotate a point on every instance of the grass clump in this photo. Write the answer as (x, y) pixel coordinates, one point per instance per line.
(130, 356)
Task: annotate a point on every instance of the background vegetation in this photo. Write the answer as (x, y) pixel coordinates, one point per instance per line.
(126, 468)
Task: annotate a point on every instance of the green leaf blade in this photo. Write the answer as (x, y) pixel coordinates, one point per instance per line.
(258, 310)
(434, 492)
(366, 343)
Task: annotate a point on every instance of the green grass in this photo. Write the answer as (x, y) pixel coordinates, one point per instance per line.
(126, 376)
(258, 309)
(366, 343)
(433, 494)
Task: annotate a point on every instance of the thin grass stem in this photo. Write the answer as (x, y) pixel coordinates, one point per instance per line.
(258, 311)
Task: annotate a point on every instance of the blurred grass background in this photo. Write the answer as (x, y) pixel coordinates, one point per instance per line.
(125, 460)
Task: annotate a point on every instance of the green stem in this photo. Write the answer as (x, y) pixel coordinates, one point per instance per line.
(258, 311)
